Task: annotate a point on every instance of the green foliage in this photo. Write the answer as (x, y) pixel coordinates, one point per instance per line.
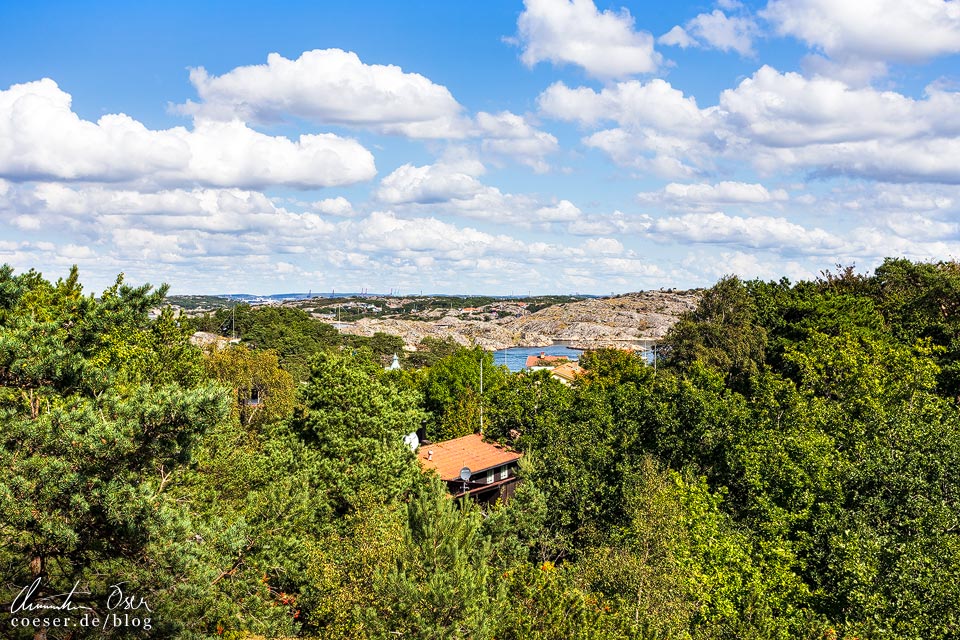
(98, 407)
(610, 367)
(920, 300)
(721, 332)
(452, 391)
(382, 345)
(544, 602)
(292, 333)
(263, 392)
(793, 472)
(681, 569)
(430, 350)
(519, 528)
(794, 313)
(526, 403)
(579, 459)
(348, 578)
(441, 586)
(356, 421)
(194, 302)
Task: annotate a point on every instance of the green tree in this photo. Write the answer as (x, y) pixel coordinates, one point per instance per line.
(382, 345)
(291, 333)
(842, 453)
(519, 528)
(528, 402)
(546, 603)
(94, 426)
(681, 569)
(348, 577)
(610, 367)
(888, 534)
(430, 350)
(452, 391)
(442, 586)
(578, 463)
(919, 300)
(356, 421)
(263, 392)
(721, 332)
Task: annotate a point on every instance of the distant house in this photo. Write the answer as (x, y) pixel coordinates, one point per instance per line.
(490, 468)
(543, 361)
(567, 373)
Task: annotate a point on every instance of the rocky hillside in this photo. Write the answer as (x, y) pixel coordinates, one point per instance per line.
(629, 320)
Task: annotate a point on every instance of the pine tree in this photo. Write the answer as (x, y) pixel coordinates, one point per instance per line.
(442, 587)
(99, 408)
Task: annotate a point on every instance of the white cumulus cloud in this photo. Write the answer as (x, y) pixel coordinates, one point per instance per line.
(563, 211)
(773, 120)
(828, 127)
(699, 194)
(723, 32)
(42, 138)
(338, 206)
(677, 37)
(659, 129)
(330, 86)
(715, 30)
(451, 187)
(605, 44)
(633, 104)
(602, 246)
(758, 232)
(879, 30)
(429, 184)
(511, 135)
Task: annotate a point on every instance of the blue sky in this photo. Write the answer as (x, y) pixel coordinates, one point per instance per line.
(502, 147)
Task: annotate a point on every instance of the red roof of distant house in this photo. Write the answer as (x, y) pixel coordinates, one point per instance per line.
(469, 451)
(543, 360)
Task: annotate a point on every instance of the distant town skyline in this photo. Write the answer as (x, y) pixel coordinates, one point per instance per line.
(541, 146)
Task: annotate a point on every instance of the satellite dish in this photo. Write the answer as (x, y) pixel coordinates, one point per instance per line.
(465, 474)
(412, 441)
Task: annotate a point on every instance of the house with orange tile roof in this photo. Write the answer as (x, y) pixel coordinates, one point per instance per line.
(471, 466)
(567, 373)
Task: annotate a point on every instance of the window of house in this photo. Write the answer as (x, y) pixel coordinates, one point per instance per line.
(490, 476)
(503, 472)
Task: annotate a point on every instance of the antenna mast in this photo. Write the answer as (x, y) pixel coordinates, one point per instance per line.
(481, 391)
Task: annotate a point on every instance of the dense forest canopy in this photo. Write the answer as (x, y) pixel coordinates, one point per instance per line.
(789, 469)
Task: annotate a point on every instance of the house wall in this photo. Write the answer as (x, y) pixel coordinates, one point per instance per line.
(487, 493)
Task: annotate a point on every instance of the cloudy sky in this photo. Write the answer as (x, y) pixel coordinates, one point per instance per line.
(485, 147)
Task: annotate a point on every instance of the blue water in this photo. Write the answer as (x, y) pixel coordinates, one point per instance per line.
(516, 358)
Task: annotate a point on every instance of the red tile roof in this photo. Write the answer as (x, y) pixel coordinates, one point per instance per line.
(469, 451)
(544, 360)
